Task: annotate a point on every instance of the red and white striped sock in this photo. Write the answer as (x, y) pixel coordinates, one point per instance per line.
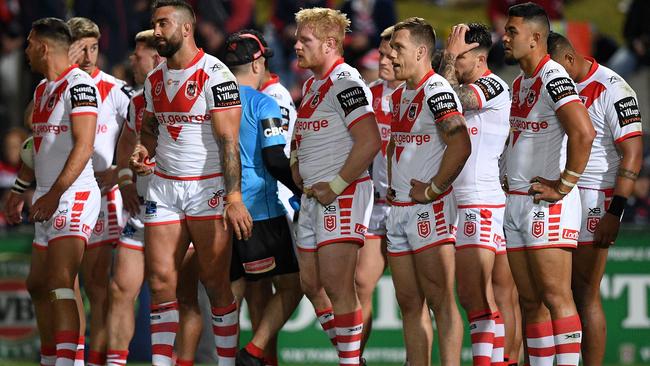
(349, 330)
(184, 362)
(81, 347)
(541, 346)
(96, 358)
(164, 325)
(48, 355)
(66, 347)
(498, 348)
(326, 320)
(481, 329)
(567, 333)
(225, 327)
(116, 357)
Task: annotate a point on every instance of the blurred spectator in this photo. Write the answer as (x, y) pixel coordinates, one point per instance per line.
(15, 88)
(218, 18)
(111, 17)
(369, 66)
(636, 32)
(9, 165)
(637, 210)
(369, 18)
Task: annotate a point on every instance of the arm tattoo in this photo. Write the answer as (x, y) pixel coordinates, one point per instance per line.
(452, 125)
(230, 159)
(452, 178)
(467, 97)
(627, 174)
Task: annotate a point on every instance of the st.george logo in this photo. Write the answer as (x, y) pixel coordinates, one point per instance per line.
(191, 89)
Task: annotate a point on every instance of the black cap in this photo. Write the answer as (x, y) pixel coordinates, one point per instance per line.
(244, 47)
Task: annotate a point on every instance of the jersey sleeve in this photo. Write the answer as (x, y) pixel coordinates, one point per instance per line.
(559, 88)
(270, 120)
(622, 111)
(222, 91)
(122, 100)
(489, 92)
(352, 100)
(148, 103)
(441, 101)
(83, 96)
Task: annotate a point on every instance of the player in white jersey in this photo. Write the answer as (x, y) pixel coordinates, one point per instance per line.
(334, 142)
(605, 185)
(128, 269)
(114, 95)
(481, 201)
(541, 230)
(67, 196)
(428, 148)
(192, 102)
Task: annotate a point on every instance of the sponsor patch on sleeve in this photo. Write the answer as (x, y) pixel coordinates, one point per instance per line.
(127, 90)
(490, 87)
(272, 127)
(627, 110)
(442, 104)
(285, 118)
(83, 95)
(560, 88)
(351, 99)
(226, 94)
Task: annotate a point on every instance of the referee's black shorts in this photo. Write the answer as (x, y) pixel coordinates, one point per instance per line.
(268, 252)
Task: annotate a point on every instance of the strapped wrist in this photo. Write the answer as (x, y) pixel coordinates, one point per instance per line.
(338, 185)
(617, 206)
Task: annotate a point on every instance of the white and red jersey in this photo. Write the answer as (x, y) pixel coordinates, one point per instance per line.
(73, 93)
(330, 107)
(614, 112)
(418, 144)
(381, 105)
(277, 91)
(115, 95)
(488, 127)
(535, 147)
(182, 102)
(134, 123)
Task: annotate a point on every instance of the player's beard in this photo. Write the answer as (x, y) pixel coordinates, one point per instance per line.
(170, 47)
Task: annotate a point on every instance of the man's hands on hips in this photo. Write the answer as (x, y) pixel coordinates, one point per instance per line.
(543, 189)
(323, 193)
(44, 207)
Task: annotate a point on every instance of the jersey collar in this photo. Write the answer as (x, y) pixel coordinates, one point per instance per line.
(338, 62)
(540, 65)
(425, 78)
(66, 72)
(273, 80)
(592, 69)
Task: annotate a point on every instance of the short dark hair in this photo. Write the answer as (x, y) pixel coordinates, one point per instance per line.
(420, 31)
(479, 33)
(179, 5)
(530, 12)
(53, 29)
(557, 42)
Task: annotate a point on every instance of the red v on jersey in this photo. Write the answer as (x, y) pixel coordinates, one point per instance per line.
(182, 101)
(103, 86)
(521, 108)
(307, 108)
(591, 92)
(42, 111)
(407, 120)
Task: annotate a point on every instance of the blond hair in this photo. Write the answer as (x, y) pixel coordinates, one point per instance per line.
(83, 27)
(147, 37)
(325, 23)
(387, 33)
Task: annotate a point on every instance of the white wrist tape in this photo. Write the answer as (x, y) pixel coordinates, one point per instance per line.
(571, 172)
(62, 294)
(293, 158)
(338, 185)
(126, 172)
(435, 188)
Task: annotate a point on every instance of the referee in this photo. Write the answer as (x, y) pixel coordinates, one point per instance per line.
(268, 255)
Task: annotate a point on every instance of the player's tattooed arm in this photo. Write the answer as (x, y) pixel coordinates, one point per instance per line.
(468, 98)
(627, 174)
(454, 133)
(230, 159)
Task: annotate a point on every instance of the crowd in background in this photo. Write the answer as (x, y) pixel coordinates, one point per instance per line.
(120, 20)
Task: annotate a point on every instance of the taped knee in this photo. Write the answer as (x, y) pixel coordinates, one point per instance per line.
(62, 294)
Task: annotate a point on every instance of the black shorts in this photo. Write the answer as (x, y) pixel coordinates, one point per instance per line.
(268, 252)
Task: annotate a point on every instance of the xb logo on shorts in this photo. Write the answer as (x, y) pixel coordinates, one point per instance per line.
(469, 228)
(538, 224)
(424, 224)
(329, 220)
(216, 199)
(593, 219)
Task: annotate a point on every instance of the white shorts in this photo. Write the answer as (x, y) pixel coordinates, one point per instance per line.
(110, 221)
(75, 216)
(413, 228)
(595, 203)
(377, 228)
(171, 201)
(480, 226)
(343, 221)
(545, 225)
(132, 236)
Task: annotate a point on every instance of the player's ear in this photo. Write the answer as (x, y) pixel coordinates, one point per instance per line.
(187, 29)
(330, 44)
